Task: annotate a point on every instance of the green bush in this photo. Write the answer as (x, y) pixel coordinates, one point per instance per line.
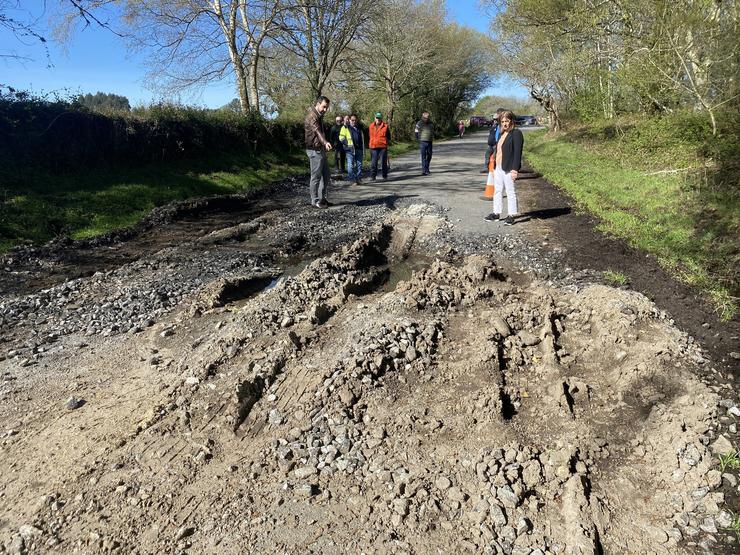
(63, 137)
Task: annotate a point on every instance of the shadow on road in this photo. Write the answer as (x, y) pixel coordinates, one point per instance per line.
(389, 200)
(545, 214)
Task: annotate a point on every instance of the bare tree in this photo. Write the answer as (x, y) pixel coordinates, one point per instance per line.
(22, 26)
(196, 42)
(392, 57)
(320, 33)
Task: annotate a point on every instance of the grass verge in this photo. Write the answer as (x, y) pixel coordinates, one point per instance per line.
(691, 229)
(86, 205)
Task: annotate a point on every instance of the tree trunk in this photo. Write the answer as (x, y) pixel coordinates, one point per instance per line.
(229, 30)
(254, 98)
(241, 86)
(549, 104)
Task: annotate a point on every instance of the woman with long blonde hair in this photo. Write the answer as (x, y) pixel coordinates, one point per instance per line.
(508, 163)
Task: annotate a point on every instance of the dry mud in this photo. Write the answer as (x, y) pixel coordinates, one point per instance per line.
(388, 397)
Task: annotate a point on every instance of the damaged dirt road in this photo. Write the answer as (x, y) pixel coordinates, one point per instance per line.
(362, 379)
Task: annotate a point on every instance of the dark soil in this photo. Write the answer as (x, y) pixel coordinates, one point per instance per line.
(26, 271)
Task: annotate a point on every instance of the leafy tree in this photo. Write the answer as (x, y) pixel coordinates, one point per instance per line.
(104, 102)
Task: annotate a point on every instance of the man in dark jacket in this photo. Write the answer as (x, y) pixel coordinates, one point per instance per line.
(493, 136)
(424, 132)
(339, 156)
(317, 146)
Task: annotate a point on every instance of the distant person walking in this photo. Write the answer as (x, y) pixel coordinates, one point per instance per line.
(353, 142)
(508, 163)
(380, 138)
(424, 132)
(461, 128)
(493, 136)
(339, 156)
(317, 146)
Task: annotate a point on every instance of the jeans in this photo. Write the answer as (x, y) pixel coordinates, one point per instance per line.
(354, 164)
(426, 155)
(320, 177)
(503, 180)
(376, 153)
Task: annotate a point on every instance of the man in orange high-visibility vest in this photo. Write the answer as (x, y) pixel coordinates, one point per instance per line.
(380, 136)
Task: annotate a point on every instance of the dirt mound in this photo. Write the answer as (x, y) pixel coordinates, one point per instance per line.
(343, 410)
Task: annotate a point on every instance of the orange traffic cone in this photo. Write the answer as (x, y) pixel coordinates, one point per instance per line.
(488, 194)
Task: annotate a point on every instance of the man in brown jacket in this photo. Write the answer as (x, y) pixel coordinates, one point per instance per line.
(316, 148)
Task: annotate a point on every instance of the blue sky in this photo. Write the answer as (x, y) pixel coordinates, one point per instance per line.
(97, 60)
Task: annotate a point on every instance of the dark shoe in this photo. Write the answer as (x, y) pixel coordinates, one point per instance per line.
(327, 203)
(509, 220)
(491, 217)
(373, 178)
(358, 182)
(322, 204)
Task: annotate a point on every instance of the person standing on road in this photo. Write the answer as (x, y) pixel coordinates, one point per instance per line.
(461, 128)
(493, 136)
(354, 145)
(339, 156)
(424, 132)
(508, 163)
(316, 148)
(380, 137)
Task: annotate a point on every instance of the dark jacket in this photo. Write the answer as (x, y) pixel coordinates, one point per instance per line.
(424, 131)
(511, 151)
(314, 132)
(334, 135)
(352, 138)
(493, 135)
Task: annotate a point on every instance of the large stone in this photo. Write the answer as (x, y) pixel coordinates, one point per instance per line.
(507, 496)
(456, 494)
(722, 446)
(304, 472)
(498, 516)
(501, 327)
(528, 338)
(28, 531)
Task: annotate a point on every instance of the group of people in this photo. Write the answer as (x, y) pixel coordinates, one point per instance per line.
(347, 140)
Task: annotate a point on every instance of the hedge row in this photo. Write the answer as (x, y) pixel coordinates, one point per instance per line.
(58, 136)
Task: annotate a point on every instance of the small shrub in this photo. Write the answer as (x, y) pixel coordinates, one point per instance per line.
(616, 278)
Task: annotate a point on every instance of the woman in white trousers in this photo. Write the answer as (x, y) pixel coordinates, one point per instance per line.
(508, 163)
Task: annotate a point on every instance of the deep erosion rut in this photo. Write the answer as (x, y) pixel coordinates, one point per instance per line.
(328, 412)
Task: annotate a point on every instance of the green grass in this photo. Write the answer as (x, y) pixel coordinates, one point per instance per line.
(44, 206)
(691, 228)
(615, 278)
(729, 460)
(735, 526)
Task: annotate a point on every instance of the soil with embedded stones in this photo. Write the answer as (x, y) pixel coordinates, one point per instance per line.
(357, 379)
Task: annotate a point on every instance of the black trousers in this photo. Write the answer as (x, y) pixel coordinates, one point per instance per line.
(489, 151)
(340, 158)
